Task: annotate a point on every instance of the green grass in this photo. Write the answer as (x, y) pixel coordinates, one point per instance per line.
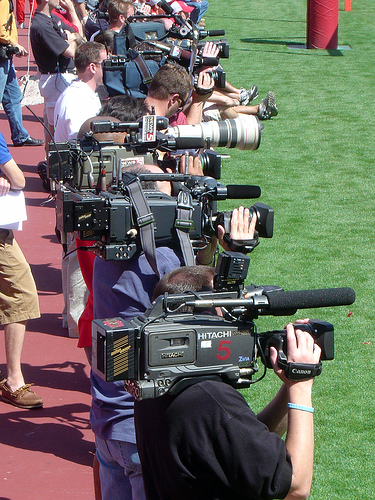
(315, 166)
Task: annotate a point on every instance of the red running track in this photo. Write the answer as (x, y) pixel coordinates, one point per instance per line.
(45, 453)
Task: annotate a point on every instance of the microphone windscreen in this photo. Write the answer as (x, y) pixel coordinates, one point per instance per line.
(306, 299)
(210, 61)
(190, 142)
(239, 192)
(216, 32)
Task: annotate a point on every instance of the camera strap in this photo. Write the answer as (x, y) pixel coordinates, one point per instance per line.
(147, 76)
(243, 246)
(145, 219)
(300, 371)
(11, 14)
(183, 224)
(203, 91)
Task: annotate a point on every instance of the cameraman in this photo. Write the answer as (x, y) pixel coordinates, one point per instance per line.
(206, 443)
(171, 94)
(125, 288)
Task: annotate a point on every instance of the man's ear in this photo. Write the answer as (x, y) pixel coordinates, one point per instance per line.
(172, 99)
(92, 67)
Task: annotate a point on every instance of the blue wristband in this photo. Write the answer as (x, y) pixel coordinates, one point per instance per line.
(293, 406)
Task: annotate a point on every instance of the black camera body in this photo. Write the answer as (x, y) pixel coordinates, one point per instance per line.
(265, 219)
(164, 349)
(110, 220)
(155, 356)
(7, 51)
(181, 339)
(321, 331)
(222, 44)
(218, 75)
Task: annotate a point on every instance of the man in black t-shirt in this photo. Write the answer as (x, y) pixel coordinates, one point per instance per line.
(206, 443)
(97, 20)
(54, 44)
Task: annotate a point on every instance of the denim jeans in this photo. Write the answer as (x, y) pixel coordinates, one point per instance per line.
(120, 470)
(199, 10)
(11, 97)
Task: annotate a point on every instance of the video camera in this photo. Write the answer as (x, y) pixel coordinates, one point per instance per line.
(173, 344)
(87, 161)
(110, 219)
(129, 74)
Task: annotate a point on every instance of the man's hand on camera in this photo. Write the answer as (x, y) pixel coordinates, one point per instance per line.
(204, 87)
(210, 49)
(194, 165)
(240, 228)
(21, 50)
(301, 349)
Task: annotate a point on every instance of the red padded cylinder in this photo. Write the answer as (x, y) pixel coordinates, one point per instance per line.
(322, 24)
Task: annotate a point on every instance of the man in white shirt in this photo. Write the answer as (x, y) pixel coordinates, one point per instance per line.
(80, 101)
(75, 105)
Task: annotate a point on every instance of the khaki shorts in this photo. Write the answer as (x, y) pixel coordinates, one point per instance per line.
(18, 294)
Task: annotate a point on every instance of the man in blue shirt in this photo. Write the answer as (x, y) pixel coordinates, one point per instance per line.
(125, 288)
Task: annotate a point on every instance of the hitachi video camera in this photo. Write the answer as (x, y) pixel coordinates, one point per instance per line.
(169, 347)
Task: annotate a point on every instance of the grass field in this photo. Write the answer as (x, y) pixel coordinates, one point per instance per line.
(316, 169)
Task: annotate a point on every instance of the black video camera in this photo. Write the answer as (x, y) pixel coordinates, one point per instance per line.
(109, 218)
(222, 44)
(218, 75)
(167, 348)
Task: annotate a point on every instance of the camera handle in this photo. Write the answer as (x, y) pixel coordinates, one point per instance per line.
(242, 246)
(298, 371)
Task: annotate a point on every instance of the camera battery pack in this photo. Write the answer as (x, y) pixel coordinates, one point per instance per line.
(113, 345)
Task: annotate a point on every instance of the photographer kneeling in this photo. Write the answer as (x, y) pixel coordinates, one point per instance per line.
(206, 443)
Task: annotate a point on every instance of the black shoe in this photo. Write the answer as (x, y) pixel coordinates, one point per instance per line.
(42, 172)
(30, 142)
